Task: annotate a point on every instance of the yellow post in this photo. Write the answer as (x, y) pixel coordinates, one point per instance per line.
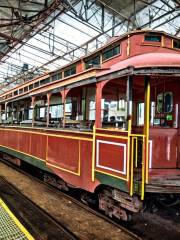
(132, 167)
(143, 172)
(129, 144)
(93, 153)
(136, 159)
(147, 124)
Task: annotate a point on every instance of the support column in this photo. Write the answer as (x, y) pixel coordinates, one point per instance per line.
(6, 112)
(12, 113)
(130, 164)
(129, 97)
(99, 89)
(79, 108)
(64, 94)
(33, 113)
(48, 108)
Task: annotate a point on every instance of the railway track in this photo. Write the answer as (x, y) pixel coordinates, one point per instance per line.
(31, 215)
(53, 190)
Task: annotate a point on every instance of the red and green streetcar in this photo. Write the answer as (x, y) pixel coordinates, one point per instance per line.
(107, 123)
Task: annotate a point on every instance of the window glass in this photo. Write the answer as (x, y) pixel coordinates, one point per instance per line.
(26, 89)
(140, 117)
(20, 90)
(70, 71)
(92, 62)
(152, 38)
(111, 52)
(36, 84)
(92, 110)
(160, 103)
(165, 102)
(45, 81)
(168, 102)
(56, 111)
(16, 93)
(31, 87)
(176, 44)
(57, 76)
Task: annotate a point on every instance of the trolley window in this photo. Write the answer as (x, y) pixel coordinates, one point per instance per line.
(36, 84)
(165, 102)
(70, 71)
(45, 81)
(20, 90)
(176, 44)
(26, 89)
(16, 93)
(152, 38)
(92, 62)
(57, 76)
(111, 52)
(31, 87)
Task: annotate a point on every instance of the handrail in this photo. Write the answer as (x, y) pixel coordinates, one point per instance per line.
(112, 130)
(93, 153)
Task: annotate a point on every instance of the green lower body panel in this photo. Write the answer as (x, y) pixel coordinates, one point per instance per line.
(29, 159)
(112, 181)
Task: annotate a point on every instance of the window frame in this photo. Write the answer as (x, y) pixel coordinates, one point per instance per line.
(110, 49)
(98, 55)
(163, 103)
(178, 43)
(70, 69)
(152, 35)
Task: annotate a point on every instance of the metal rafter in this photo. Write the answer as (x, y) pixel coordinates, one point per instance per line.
(105, 19)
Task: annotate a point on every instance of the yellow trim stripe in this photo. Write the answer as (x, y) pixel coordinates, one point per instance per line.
(63, 169)
(137, 135)
(23, 153)
(111, 136)
(132, 167)
(143, 173)
(79, 163)
(109, 174)
(112, 130)
(129, 150)
(16, 221)
(46, 134)
(147, 130)
(93, 153)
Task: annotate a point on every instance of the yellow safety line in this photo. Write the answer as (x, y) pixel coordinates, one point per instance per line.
(16, 221)
(50, 135)
(109, 174)
(63, 169)
(93, 153)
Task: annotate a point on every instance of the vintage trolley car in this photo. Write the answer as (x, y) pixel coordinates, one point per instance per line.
(107, 123)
